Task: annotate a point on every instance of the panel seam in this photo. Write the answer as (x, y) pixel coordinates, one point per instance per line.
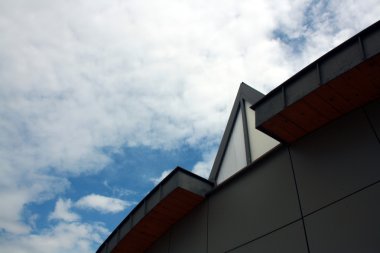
(299, 200)
(370, 123)
(207, 218)
(342, 198)
(261, 236)
(248, 156)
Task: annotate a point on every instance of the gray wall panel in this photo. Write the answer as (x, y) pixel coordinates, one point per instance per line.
(297, 88)
(373, 112)
(340, 60)
(269, 107)
(190, 234)
(255, 203)
(336, 161)
(371, 43)
(350, 225)
(290, 239)
(161, 245)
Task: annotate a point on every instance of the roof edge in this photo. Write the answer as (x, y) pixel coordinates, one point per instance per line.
(174, 176)
(312, 65)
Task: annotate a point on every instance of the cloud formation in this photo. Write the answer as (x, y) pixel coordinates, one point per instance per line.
(63, 238)
(102, 204)
(62, 211)
(157, 180)
(203, 168)
(80, 76)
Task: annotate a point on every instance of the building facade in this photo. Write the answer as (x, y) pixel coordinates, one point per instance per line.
(298, 170)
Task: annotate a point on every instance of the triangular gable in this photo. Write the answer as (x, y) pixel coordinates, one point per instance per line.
(235, 151)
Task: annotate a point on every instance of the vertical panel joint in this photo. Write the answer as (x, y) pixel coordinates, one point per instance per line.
(361, 48)
(319, 75)
(245, 131)
(284, 96)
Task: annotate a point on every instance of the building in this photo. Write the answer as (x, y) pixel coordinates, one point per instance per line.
(298, 170)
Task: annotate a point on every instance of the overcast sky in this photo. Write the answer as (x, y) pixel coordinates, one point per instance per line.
(99, 100)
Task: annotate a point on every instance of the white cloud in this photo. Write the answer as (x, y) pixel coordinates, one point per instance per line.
(17, 188)
(102, 203)
(203, 168)
(62, 211)
(118, 191)
(77, 76)
(157, 180)
(62, 238)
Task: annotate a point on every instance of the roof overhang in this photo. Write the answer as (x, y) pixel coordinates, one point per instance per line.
(167, 203)
(345, 78)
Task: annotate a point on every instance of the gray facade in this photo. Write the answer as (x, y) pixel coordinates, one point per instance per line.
(320, 194)
(297, 170)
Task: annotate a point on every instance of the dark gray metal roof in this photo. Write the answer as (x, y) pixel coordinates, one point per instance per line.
(168, 202)
(338, 82)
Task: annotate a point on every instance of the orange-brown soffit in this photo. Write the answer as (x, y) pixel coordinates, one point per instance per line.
(168, 202)
(344, 79)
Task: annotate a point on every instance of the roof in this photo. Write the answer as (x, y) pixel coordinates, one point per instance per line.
(245, 93)
(168, 202)
(343, 79)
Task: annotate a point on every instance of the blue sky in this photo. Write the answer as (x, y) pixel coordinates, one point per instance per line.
(99, 100)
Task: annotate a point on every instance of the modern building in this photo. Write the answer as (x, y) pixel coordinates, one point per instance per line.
(298, 170)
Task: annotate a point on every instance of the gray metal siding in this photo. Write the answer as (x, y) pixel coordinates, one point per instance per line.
(336, 161)
(340, 60)
(290, 239)
(373, 112)
(255, 203)
(298, 89)
(350, 225)
(161, 245)
(190, 234)
(338, 180)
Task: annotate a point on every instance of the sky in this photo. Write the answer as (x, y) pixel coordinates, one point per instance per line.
(100, 99)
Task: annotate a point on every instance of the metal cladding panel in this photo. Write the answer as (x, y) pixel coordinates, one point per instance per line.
(235, 155)
(350, 225)
(104, 250)
(340, 60)
(290, 239)
(170, 185)
(113, 242)
(259, 143)
(373, 112)
(298, 89)
(125, 228)
(190, 234)
(161, 245)
(247, 94)
(335, 161)
(138, 214)
(255, 202)
(193, 185)
(153, 200)
(269, 107)
(371, 43)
